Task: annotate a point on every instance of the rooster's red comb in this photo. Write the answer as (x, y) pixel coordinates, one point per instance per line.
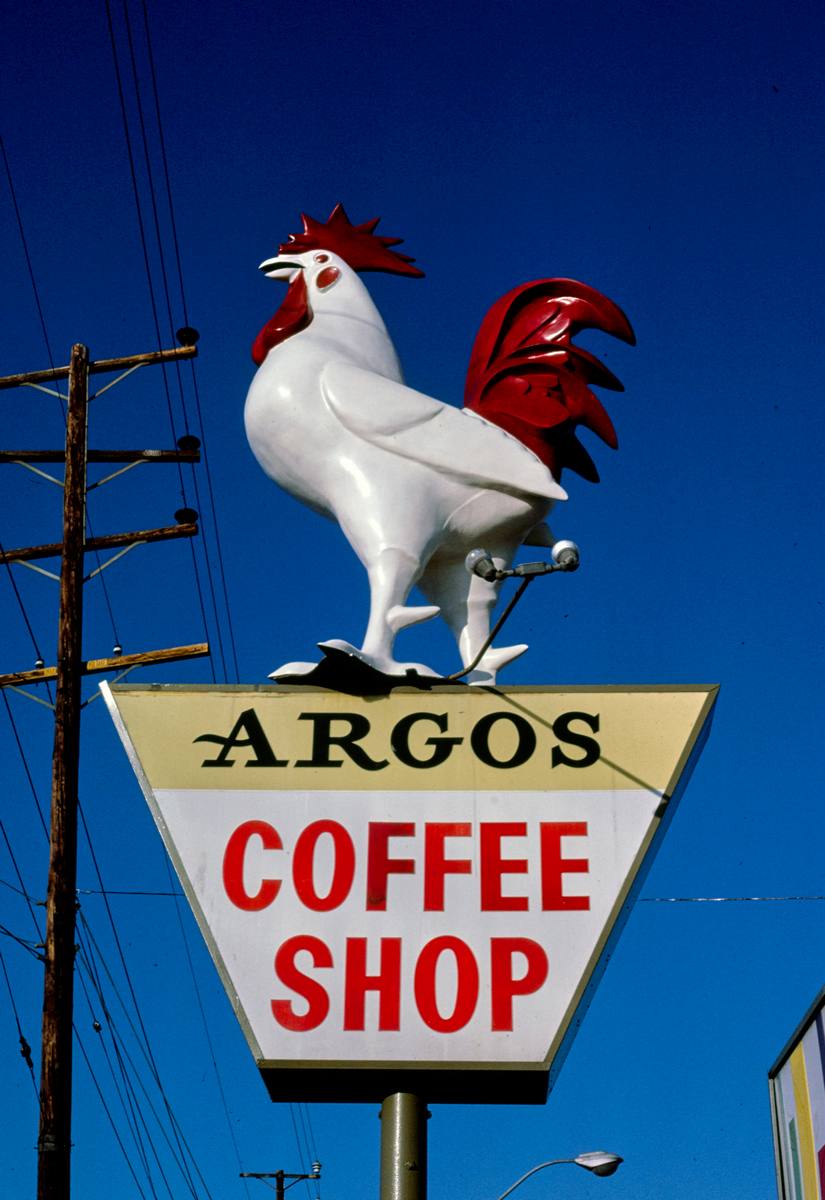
(359, 246)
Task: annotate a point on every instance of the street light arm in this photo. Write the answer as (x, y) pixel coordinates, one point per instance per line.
(554, 1162)
(597, 1161)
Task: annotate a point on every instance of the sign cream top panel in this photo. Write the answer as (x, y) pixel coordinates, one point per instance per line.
(608, 738)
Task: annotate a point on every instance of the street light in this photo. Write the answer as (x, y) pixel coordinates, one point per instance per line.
(598, 1162)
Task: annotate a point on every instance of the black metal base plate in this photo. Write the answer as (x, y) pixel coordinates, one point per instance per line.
(365, 1086)
(341, 671)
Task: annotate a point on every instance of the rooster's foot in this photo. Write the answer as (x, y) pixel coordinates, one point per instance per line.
(292, 668)
(384, 663)
(344, 668)
(485, 671)
(339, 650)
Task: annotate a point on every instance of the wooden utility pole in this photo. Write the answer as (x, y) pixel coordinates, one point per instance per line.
(54, 1141)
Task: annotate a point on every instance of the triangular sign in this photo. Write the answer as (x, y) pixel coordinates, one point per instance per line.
(412, 892)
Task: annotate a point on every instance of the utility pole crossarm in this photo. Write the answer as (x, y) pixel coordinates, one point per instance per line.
(103, 456)
(101, 366)
(279, 1176)
(98, 666)
(109, 541)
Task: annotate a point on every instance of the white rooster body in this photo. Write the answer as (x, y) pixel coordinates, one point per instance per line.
(416, 484)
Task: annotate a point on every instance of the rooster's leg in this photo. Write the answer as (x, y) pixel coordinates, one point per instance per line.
(392, 575)
(467, 604)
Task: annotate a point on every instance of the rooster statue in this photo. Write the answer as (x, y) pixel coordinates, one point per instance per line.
(416, 484)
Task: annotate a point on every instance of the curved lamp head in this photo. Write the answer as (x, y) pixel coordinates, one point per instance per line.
(599, 1162)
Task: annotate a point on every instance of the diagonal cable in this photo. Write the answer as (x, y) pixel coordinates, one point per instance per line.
(177, 1154)
(195, 388)
(127, 975)
(25, 1048)
(218, 1080)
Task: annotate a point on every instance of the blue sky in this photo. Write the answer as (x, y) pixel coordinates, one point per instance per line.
(671, 156)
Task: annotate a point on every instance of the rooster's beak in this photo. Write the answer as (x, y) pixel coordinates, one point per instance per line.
(279, 268)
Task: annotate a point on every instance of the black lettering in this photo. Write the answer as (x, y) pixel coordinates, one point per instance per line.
(562, 730)
(480, 740)
(442, 746)
(256, 739)
(323, 739)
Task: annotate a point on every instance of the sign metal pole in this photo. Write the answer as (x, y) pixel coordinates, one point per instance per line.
(404, 1147)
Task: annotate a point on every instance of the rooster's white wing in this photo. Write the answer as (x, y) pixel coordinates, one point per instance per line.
(450, 440)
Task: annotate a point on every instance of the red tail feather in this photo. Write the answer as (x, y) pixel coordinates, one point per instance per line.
(526, 375)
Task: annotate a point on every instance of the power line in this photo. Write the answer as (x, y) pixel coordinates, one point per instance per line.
(151, 290)
(725, 899)
(147, 1049)
(25, 1048)
(22, 890)
(130, 1103)
(102, 578)
(183, 1149)
(107, 1111)
(20, 603)
(207, 1034)
(25, 943)
(313, 1146)
(20, 881)
(123, 892)
(26, 768)
(19, 745)
(25, 245)
(195, 388)
(47, 342)
(134, 1113)
(148, 272)
(50, 355)
(147, 159)
(123, 1089)
(303, 1153)
(141, 225)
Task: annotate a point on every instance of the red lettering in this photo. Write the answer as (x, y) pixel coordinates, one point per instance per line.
(493, 866)
(387, 983)
(503, 984)
(303, 866)
(466, 992)
(308, 989)
(436, 866)
(233, 866)
(379, 865)
(553, 866)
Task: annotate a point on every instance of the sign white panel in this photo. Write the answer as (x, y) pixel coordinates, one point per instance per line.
(365, 911)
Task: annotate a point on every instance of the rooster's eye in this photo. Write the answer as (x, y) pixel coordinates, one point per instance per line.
(322, 258)
(326, 278)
